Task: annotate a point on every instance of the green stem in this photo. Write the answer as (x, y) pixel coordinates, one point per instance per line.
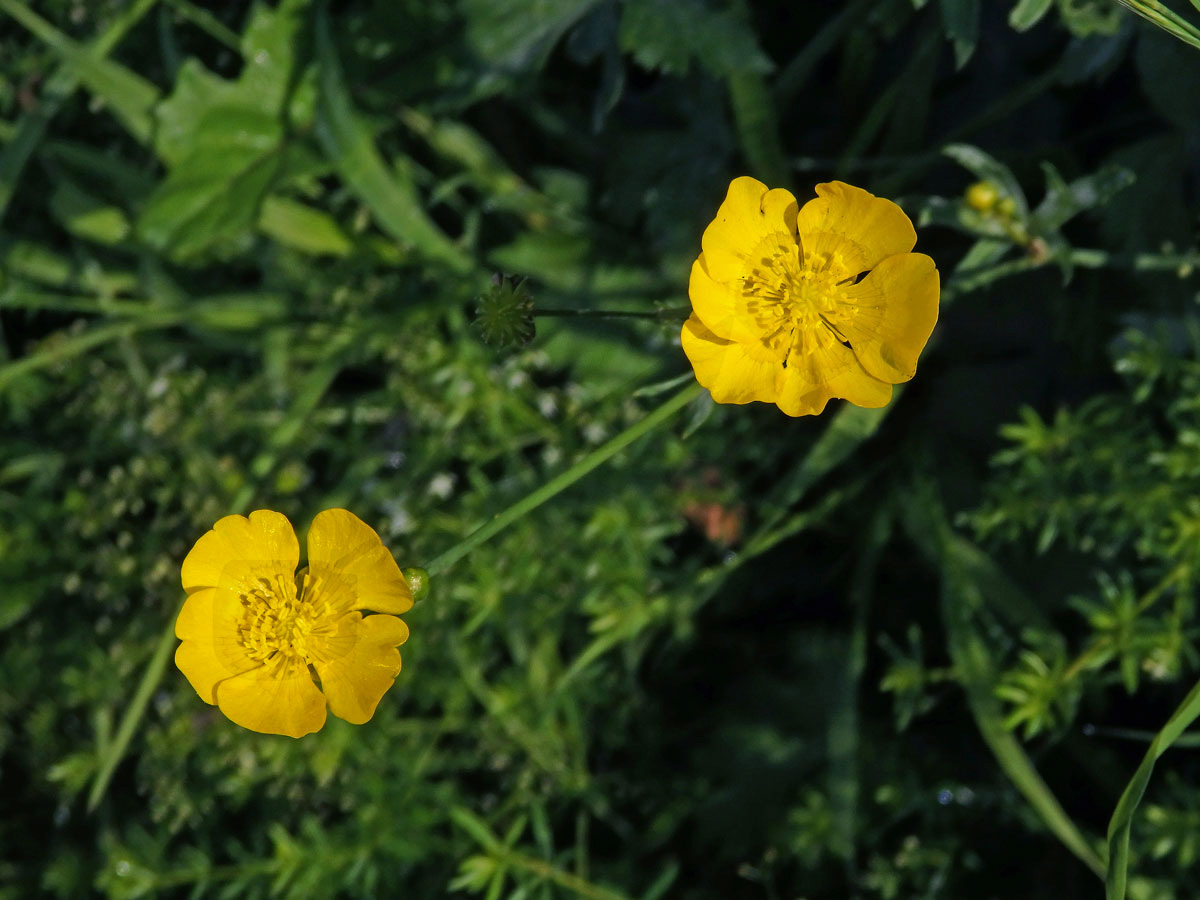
(581, 887)
(1085, 258)
(615, 313)
(554, 486)
(207, 22)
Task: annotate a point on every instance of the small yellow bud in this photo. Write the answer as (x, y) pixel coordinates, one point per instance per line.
(982, 195)
(1005, 207)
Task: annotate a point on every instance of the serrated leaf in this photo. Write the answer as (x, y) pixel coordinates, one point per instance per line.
(223, 141)
(670, 34)
(518, 35)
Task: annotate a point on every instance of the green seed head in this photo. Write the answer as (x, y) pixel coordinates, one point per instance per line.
(504, 315)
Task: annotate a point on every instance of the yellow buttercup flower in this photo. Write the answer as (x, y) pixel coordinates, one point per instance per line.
(795, 306)
(255, 631)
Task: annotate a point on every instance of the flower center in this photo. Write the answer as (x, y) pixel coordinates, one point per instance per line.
(278, 620)
(793, 297)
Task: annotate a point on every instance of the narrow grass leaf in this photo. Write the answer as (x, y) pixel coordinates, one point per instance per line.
(977, 672)
(1116, 876)
(127, 94)
(477, 829)
(59, 349)
(962, 597)
(111, 754)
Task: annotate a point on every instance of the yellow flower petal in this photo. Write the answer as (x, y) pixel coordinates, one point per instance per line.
(822, 370)
(266, 537)
(210, 651)
(890, 314)
(715, 304)
(852, 229)
(732, 372)
(205, 669)
(344, 549)
(274, 699)
(749, 214)
(358, 663)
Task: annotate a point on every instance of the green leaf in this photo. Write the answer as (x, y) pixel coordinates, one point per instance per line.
(1028, 13)
(303, 228)
(87, 216)
(518, 35)
(670, 34)
(223, 142)
(476, 828)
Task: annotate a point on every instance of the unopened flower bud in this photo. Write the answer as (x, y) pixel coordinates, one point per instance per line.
(982, 195)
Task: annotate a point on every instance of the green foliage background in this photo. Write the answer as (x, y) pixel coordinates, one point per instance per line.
(914, 652)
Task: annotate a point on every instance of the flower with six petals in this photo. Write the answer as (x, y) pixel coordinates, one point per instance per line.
(796, 306)
(256, 632)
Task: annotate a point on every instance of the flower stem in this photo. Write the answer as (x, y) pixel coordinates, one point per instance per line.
(532, 501)
(615, 313)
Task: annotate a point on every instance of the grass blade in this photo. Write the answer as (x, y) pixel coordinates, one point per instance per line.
(60, 86)
(112, 753)
(68, 347)
(1166, 19)
(129, 95)
(1122, 817)
(962, 595)
(977, 671)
